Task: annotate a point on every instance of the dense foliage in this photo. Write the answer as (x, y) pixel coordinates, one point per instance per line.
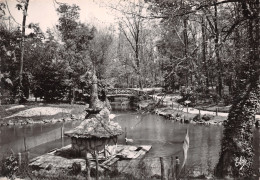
(216, 43)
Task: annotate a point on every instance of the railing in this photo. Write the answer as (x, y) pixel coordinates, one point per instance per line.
(117, 91)
(133, 91)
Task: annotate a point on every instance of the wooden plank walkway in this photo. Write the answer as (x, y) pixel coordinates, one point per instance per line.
(59, 163)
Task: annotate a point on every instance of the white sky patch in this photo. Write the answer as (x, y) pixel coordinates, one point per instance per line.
(44, 12)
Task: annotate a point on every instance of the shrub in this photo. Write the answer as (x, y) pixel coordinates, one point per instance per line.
(187, 96)
(9, 165)
(227, 99)
(206, 117)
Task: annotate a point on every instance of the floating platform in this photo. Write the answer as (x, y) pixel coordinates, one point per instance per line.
(59, 160)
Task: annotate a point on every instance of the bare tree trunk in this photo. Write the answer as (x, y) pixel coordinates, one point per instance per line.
(204, 51)
(22, 44)
(185, 39)
(94, 91)
(217, 46)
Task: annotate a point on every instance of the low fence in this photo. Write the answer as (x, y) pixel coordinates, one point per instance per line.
(24, 144)
(31, 142)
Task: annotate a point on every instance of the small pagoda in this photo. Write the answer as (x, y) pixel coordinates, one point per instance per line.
(93, 134)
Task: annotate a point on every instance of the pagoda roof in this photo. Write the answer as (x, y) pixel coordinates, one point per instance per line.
(99, 126)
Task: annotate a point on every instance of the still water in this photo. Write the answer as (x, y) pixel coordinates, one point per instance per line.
(166, 138)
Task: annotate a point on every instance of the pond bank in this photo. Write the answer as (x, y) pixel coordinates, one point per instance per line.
(40, 114)
(170, 109)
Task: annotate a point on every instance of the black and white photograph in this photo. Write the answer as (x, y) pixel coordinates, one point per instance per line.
(129, 89)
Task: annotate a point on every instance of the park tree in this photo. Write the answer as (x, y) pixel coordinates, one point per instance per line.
(23, 5)
(135, 44)
(9, 55)
(76, 37)
(131, 25)
(238, 138)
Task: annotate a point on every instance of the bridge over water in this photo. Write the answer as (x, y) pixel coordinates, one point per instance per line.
(120, 97)
(132, 91)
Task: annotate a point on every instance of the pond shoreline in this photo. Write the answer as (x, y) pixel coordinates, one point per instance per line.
(30, 121)
(170, 113)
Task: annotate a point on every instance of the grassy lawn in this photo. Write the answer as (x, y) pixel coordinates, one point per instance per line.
(35, 109)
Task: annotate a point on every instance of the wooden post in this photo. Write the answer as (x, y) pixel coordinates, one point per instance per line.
(125, 136)
(199, 115)
(27, 154)
(24, 142)
(168, 173)
(61, 134)
(172, 169)
(105, 153)
(87, 167)
(96, 156)
(216, 111)
(177, 168)
(162, 169)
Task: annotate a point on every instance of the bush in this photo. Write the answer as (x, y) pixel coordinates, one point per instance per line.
(187, 97)
(215, 97)
(9, 165)
(76, 168)
(204, 117)
(227, 99)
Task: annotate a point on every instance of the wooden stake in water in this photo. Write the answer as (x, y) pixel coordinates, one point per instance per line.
(162, 169)
(87, 167)
(27, 157)
(172, 168)
(24, 142)
(96, 156)
(19, 159)
(62, 131)
(125, 136)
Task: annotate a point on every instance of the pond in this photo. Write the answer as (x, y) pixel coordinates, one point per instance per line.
(166, 138)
